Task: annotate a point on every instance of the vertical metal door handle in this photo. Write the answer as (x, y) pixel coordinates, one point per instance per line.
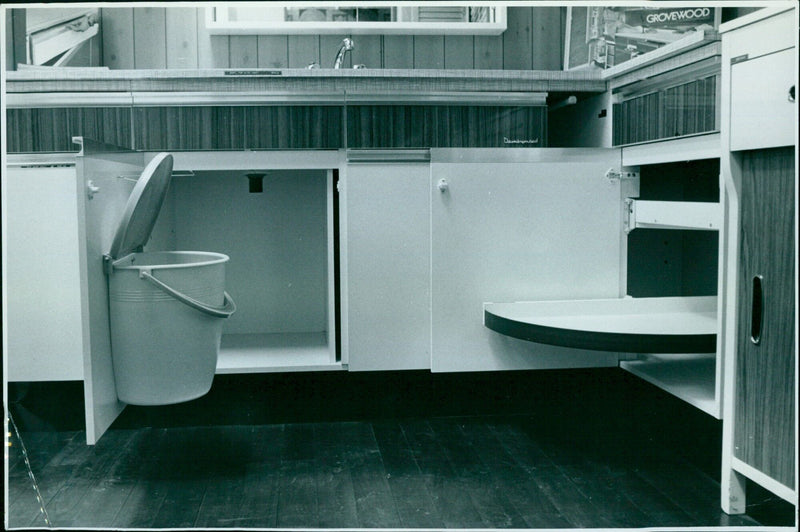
(757, 310)
(791, 94)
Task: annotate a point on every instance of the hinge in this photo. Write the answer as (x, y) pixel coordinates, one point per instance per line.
(619, 175)
(627, 226)
(108, 264)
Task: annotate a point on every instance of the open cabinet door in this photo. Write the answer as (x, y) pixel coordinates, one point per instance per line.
(105, 178)
(520, 225)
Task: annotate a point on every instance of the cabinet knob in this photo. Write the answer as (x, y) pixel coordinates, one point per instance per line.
(91, 189)
(791, 94)
(443, 185)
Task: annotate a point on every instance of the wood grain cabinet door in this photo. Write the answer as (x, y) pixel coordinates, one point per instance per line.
(764, 434)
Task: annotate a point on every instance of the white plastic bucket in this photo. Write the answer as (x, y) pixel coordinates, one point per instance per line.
(166, 311)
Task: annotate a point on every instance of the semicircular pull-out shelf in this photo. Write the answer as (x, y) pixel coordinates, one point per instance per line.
(636, 325)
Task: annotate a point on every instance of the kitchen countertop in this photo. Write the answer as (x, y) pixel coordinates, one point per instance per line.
(368, 80)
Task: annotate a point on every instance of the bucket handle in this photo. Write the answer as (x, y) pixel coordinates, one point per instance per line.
(225, 311)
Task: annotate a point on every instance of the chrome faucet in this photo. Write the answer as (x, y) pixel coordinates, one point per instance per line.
(347, 45)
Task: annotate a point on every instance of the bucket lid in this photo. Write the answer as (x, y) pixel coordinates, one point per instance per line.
(143, 207)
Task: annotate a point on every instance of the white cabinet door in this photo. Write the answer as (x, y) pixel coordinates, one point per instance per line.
(763, 113)
(42, 318)
(515, 225)
(386, 265)
(106, 177)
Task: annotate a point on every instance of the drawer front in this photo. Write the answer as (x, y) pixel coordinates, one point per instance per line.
(769, 35)
(762, 112)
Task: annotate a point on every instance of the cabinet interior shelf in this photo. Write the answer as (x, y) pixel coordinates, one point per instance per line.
(275, 352)
(690, 377)
(636, 325)
(673, 215)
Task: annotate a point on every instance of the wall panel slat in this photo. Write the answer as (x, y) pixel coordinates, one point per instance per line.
(429, 51)
(243, 51)
(182, 45)
(548, 43)
(517, 40)
(488, 52)
(116, 27)
(398, 51)
(273, 51)
(150, 37)
(459, 52)
(213, 51)
(303, 50)
(368, 51)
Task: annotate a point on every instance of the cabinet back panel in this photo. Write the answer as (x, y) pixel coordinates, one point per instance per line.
(277, 241)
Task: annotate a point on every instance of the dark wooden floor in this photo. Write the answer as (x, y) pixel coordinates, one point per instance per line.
(530, 450)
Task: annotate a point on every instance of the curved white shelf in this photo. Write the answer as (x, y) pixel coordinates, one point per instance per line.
(637, 325)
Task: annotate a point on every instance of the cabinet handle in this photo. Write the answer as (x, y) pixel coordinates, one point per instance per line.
(443, 185)
(791, 94)
(757, 310)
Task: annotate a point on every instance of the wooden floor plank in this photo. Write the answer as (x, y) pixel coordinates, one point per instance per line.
(693, 492)
(533, 505)
(336, 494)
(406, 482)
(109, 490)
(571, 502)
(488, 497)
(297, 496)
(546, 469)
(64, 508)
(148, 491)
(449, 494)
(258, 506)
(196, 458)
(224, 501)
(375, 506)
(24, 508)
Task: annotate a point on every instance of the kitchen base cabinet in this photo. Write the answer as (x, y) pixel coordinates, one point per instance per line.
(271, 213)
(759, 170)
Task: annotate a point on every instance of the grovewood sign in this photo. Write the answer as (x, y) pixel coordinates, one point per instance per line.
(670, 17)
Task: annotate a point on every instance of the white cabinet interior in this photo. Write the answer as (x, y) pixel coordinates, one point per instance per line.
(673, 251)
(281, 268)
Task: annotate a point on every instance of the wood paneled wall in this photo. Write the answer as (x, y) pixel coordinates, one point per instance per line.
(176, 37)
